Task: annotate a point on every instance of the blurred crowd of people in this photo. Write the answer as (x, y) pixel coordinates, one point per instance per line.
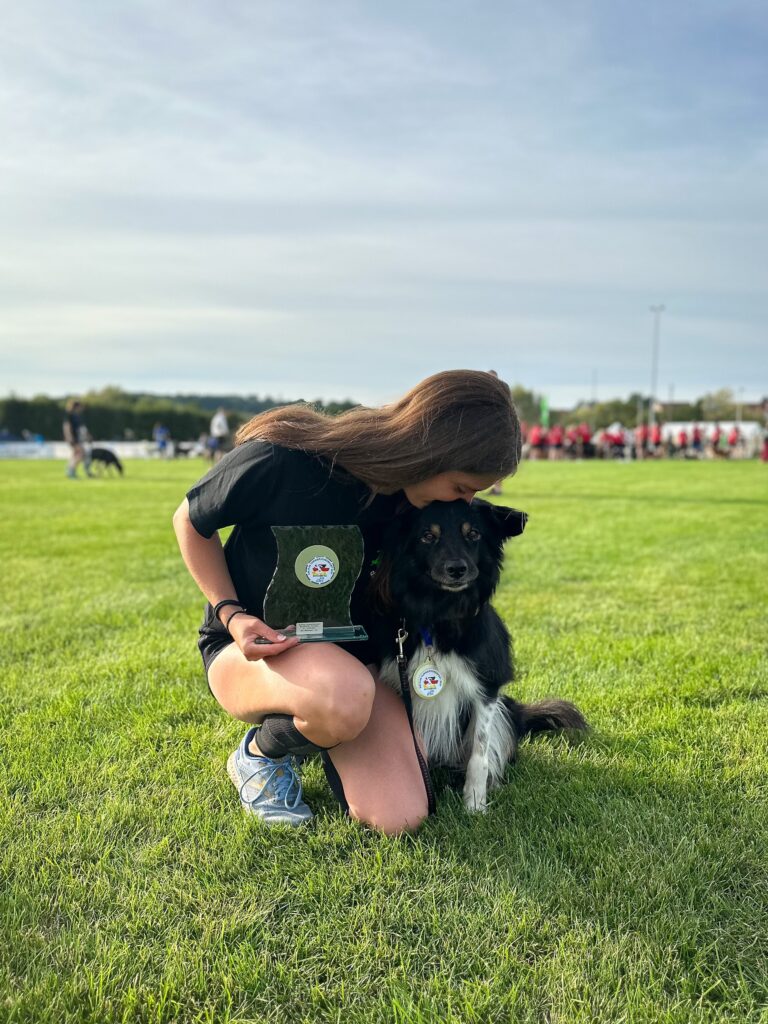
(690, 441)
(211, 445)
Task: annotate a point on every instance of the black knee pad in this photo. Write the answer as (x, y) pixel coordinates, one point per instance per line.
(278, 736)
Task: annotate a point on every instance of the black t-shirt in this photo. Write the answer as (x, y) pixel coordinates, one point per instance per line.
(259, 485)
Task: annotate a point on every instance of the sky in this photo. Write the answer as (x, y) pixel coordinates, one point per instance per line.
(334, 200)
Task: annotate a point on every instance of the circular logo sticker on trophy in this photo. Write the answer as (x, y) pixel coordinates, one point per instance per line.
(427, 681)
(316, 566)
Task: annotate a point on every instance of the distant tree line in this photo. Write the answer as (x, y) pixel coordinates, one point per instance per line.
(114, 414)
(714, 406)
(249, 405)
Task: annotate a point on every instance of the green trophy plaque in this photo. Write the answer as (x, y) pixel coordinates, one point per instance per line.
(317, 568)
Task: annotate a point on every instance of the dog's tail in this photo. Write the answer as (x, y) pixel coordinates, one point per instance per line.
(546, 716)
(521, 720)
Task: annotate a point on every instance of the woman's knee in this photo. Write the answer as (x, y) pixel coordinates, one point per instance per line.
(341, 701)
(407, 816)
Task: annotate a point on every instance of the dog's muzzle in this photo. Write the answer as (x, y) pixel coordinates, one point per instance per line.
(455, 575)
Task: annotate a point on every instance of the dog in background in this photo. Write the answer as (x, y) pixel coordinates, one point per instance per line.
(439, 567)
(105, 460)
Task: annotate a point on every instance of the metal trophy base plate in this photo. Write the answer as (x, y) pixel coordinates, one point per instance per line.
(328, 635)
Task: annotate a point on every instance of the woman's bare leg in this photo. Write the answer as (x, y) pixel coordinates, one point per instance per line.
(328, 692)
(379, 771)
(337, 702)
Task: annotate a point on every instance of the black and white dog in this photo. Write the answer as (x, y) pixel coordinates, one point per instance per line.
(438, 569)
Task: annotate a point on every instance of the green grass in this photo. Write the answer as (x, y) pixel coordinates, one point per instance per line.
(621, 879)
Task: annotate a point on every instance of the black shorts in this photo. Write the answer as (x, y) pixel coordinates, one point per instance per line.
(212, 642)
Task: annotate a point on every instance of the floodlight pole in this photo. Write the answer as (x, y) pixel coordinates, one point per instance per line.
(657, 311)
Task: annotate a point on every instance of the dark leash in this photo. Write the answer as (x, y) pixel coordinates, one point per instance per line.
(405, 687)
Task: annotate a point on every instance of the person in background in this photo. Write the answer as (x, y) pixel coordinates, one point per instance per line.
(682, 441)
(86, 443)
(656, 440)
(572, 441)
(526, 448)
(696, 440)
(734, 440)
(161, 435)
(211, 444)
(555, 442)
(73, 421)
(618, 442)
(219, 434)
(586, 447)
(642, 435)
(537, 441)
(714, 440)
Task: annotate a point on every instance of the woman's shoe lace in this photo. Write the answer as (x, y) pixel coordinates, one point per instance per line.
(282, 779)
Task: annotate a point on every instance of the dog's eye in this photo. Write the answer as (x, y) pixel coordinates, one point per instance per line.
(428, 537)
(473, 534)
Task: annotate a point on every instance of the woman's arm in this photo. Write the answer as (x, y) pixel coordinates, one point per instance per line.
(204, 557)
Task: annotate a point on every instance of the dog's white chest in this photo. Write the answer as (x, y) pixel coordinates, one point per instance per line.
(437, 717)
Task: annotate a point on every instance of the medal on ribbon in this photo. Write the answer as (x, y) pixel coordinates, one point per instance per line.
(427, 681)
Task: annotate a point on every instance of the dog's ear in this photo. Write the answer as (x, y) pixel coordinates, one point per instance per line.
(510, 522)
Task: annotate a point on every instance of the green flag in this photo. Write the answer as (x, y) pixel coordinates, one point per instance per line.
(544, 411)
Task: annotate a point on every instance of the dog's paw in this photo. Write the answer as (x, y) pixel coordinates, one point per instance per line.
(475, 800)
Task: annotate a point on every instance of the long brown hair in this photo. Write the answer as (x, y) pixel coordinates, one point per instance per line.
(461, 420)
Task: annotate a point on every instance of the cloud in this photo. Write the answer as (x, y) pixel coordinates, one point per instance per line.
(350, 197)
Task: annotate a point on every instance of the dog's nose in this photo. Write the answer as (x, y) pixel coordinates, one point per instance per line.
(456, 569)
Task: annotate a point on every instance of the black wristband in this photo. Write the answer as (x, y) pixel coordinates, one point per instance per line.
(222, 604)
(239, 611)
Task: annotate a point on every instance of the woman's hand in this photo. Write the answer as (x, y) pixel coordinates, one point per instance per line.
(246, 630)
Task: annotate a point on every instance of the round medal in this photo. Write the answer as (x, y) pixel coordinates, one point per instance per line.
(427, 681)
(316, 566)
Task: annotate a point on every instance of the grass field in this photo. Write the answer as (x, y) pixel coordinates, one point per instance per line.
(622, 879)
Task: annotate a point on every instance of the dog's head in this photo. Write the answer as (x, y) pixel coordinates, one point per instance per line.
(447, 555)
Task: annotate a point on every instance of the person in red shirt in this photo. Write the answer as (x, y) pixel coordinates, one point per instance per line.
(641, 440)
(555, 442)
(696, 438)
(587, 448)
(572, 442)
(682, 440)
(537, 441)
(619, 442)
(656, 439)
(715, 437)
(734, 438)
